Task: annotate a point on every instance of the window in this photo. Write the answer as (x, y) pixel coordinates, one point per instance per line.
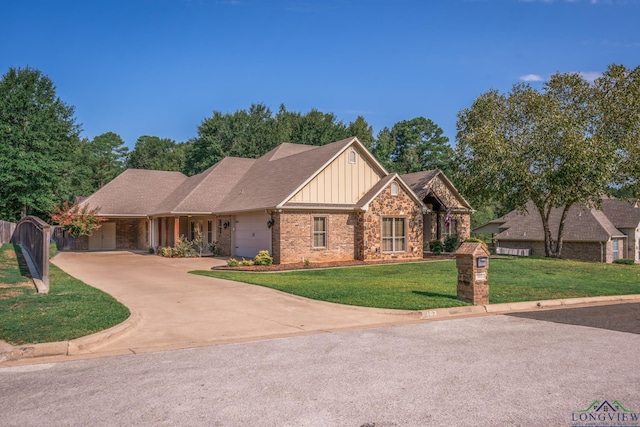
(393, 235)
(352, 156)
(146, 232)
(319, 232)
(192, 230)
(219, 227)
(209, 231)
(450, 227)
(616, 249)
(394, 189)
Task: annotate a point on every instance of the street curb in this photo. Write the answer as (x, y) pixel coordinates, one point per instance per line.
(80, 345)
(85, 345)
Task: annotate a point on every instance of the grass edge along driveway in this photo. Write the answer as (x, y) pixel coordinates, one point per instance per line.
(429, 285)
(70, 310)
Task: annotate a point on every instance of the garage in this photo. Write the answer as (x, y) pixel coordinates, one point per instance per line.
(104, 238)
(252, 235)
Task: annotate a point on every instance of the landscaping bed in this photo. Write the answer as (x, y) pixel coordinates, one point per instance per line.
(334, 264)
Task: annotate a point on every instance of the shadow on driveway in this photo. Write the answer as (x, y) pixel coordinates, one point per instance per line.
(615, 317)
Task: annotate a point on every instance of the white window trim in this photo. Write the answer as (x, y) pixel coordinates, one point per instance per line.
(393, 236)
(394, 189)
(353, 157)
(314, 232)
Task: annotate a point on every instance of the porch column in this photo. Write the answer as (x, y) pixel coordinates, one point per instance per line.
(176, 230)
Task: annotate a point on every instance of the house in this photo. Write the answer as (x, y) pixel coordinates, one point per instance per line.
(600, 235)
(322, 203)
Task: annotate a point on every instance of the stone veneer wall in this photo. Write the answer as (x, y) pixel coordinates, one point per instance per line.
(370, 226)
(130, 234)
(292, 236)
(450, 200)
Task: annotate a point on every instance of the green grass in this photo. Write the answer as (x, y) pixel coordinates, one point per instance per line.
(428, 285)
(70, 310)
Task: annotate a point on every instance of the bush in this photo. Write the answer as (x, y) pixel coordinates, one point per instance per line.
(232, 262)
(184, 249)
(451, 243)
(165, 251)
(213, 248)
(436, 247)
(625, 261)
(263, 258)
(246, 262)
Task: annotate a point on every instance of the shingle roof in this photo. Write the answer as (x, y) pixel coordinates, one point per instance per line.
(420, 182)
(581, 225)
(217, 182)
(623, 214)
(276, 175)
(136, 185)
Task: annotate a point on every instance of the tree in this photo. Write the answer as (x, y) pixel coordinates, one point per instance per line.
(362, 130)
(37, 133)
(106, 155)
(152, 152)
(538, 146)
(77, 221)
(413, 146)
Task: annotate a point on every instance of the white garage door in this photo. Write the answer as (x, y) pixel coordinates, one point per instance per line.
(252, 235)
(104, 238)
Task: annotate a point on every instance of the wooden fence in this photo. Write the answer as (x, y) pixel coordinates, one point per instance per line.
(32, 234)
(6, 231)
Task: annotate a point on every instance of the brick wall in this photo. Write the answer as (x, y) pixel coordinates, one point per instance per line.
(292, 237)
(370, 226)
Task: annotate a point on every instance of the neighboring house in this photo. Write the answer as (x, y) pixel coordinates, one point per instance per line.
(601, 235)
(321, 203)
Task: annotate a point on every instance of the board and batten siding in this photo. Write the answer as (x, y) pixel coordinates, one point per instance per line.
(340, 181)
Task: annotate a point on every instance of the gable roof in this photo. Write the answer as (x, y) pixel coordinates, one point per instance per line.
(363, 203)
(136, 184)
(582, 225)
(420, 183)
(217, 181)
(622, 213)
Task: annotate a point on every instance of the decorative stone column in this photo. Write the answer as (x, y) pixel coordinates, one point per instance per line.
(472, 261)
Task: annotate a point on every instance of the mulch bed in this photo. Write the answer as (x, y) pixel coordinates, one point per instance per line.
(314, 265)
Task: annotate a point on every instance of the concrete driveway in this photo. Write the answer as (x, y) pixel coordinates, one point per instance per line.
(173, 309)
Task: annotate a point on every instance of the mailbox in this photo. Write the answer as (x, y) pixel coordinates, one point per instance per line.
(481, 261)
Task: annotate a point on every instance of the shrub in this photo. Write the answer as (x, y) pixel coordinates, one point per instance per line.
(232, 262)
(246, 262)
(625, 261)
(263, 258)
(184, 248)
(436, 247)
(165, 251)
(451, 243)
(213, 248)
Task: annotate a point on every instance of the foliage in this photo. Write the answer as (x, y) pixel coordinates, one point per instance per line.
(429, 285)
(232, 262)
(106, 156)
(70, 310)
(152, 152)
(198, 240)
(263, 258)
(246, 262)
(37, 134)
(213, 248)
(451, 243)
(413, 146)
(183, 248)
(554, 148)
(75, 220)
(254, 132)
(436, 246)
(625, 261)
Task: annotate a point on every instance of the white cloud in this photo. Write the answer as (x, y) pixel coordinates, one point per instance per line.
(590, 76)
(531, 78)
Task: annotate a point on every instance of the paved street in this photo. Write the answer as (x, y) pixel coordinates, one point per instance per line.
(489, 371)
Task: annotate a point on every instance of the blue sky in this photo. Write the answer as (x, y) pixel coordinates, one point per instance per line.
(159, 67)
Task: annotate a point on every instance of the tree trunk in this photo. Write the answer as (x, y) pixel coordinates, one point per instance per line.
(563, 218)
(548, 239)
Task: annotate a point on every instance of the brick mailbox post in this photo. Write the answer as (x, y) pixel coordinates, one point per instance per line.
(472, 260)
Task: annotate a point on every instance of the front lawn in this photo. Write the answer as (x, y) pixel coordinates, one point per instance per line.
(71, 309)
(428, 285)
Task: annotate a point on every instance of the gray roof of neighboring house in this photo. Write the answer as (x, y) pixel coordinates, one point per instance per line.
(622, 213)
(581, 225)
(136, 184)
(420, 182)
